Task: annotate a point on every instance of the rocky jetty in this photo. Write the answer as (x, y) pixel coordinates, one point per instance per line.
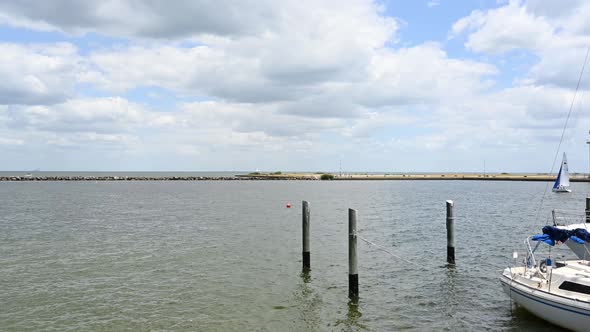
(144, 178)
(305, 177)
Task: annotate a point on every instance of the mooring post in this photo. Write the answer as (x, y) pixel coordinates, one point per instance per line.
(306, 252)
(353, 274)
(588, 209)
(450, 234)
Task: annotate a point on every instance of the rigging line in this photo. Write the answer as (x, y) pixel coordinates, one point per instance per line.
(569, 113)
(387, 251)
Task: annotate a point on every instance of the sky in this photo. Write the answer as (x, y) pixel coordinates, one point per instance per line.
(292, 85)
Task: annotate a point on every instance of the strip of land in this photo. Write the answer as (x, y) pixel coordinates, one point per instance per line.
(442, 176)
(120, 178)
(310, 176)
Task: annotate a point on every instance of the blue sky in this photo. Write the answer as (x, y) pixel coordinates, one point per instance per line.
(408, 86)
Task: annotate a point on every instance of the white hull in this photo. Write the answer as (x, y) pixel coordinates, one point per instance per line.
(562, 190)
(566, 312)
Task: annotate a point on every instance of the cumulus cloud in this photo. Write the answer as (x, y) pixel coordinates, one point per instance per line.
(196, 71)
(257, 83)
(386, 77)
(504, 29)
(37, 74)
(561, 67)
(153, 19)
(180, 19)
(571, 16)
(11, 141)
(433, 3)
(421, 74)
(250, 118)
(532, 25)
(103, 115)
(280, 64)
(557, 35)
(101, 120)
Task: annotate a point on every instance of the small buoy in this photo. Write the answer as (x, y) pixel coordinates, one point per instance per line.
(288, 205)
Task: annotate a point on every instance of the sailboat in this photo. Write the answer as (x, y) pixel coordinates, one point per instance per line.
(555, 290)
(563, 178)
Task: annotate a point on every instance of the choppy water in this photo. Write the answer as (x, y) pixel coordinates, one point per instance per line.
(226, 256)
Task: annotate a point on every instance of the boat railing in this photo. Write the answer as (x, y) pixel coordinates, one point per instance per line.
(530, 260)
(565, 217)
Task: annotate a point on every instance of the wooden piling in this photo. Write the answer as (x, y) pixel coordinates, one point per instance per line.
(306, 250)
(353, 276)
(588, 209)
(450, 234)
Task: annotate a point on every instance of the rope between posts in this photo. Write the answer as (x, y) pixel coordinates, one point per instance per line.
(387, 251)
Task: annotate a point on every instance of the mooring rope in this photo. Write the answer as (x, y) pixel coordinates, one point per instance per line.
(387, 251)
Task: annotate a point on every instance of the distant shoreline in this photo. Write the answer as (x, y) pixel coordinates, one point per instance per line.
(307, 176)
(430, 176)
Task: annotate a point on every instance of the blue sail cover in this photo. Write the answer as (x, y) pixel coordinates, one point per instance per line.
(582, 234)
(553, 234)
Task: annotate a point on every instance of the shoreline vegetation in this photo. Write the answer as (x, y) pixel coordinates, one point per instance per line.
(575, 177)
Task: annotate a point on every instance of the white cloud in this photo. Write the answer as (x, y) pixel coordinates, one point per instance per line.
(286, 81)
(90, 122)
(157, 19)
(37, 73)
(267, 120)
(102, 115)
(301, 51)
(421, 74)
(402, 76)
(570, 15)
(185, 19)
(433, 3)
(558, 35)
(92, 139)
(561, 66)
(11, 141)
(504, 29)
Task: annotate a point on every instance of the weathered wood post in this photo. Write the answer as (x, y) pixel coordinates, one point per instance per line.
(588, 209)
(450, 234)
(306, 252)
(353, 274)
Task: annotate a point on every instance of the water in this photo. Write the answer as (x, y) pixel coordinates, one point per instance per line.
(226, 256)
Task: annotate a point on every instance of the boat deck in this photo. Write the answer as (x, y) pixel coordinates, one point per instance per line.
(570, 279)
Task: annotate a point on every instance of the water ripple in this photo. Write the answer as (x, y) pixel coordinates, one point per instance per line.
(226, 256)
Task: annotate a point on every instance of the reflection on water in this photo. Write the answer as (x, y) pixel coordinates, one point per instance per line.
(308, 303)
(522, 317)
(448, 292)
(353, 315)
(306, 276)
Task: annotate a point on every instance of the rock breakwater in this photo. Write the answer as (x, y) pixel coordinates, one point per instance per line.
(144, 178)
